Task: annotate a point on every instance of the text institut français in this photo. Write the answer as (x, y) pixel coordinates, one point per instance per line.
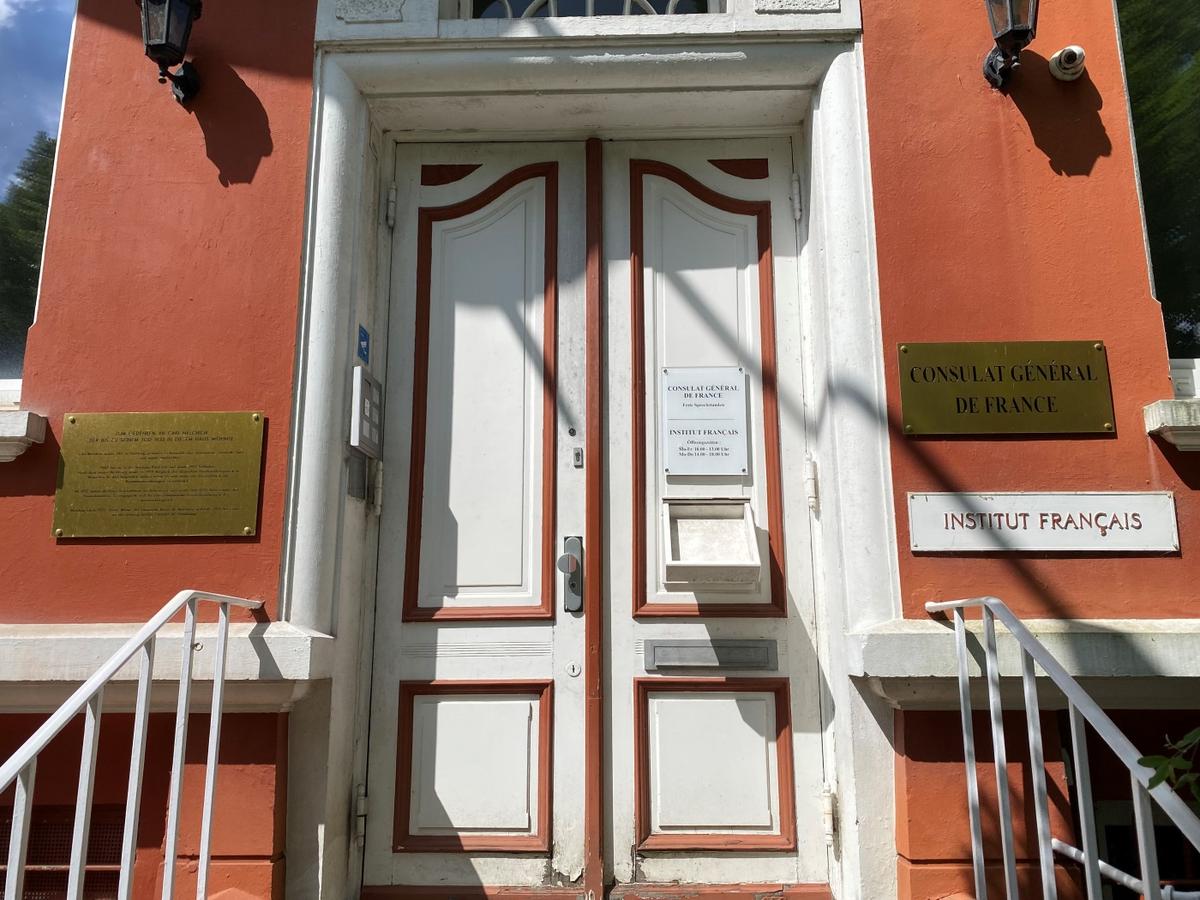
(1103, 522)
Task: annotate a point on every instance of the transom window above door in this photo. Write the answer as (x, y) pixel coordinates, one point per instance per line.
(533, 9)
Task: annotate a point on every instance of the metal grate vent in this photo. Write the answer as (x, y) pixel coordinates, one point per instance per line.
(49, 854)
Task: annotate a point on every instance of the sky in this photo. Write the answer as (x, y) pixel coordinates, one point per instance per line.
(34, 37)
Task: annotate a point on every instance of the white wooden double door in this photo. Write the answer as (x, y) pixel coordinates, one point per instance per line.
(667, 731)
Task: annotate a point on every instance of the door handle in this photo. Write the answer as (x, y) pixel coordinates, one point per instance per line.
(571, 565)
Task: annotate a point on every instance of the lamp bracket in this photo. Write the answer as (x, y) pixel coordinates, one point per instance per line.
(185, 83)
(998, 67)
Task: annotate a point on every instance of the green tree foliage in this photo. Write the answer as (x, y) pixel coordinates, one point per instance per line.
(1177, 769)
(22, 226)
(1161, 42)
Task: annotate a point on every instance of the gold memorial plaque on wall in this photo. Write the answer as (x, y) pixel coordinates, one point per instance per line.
(177, 474)
(1015, 387)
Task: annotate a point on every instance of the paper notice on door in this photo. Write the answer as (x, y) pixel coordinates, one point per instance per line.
(704, 421)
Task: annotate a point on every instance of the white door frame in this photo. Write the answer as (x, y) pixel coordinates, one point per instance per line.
(800, 83)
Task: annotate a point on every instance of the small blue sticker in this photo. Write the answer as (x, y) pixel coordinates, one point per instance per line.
(364, 345)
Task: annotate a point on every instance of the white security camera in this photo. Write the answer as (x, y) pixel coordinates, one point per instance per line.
(1068, 63)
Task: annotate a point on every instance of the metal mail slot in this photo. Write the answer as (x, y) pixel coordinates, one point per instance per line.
(719, 654)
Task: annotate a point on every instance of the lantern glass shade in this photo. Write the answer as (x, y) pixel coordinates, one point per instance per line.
(166, 26)
(1014, 23)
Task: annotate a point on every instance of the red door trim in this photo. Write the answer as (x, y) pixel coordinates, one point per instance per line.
(761, 210)
(785, 839)
(435, 175)
(750, 169)
(426, 216)
(539, 841)
(595, 595)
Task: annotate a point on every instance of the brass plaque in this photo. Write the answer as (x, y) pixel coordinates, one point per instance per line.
(159, 474)
(1022, 387)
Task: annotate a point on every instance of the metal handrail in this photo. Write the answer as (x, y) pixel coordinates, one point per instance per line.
(1082, 712)
(21, 767)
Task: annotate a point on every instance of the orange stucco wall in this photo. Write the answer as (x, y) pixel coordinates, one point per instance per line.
(934, 847)
(1016, 217)
(171, 280)
(248, 814)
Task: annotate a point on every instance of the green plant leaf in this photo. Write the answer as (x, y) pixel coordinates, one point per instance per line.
(1189, 740)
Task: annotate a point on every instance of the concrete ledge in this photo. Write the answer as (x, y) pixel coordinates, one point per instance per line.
(19, 430)
(1183, 378)
(266, 663)
(1175, 421)
(1121, 662)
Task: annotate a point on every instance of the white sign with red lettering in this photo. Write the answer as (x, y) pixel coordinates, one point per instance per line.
(1058, 522)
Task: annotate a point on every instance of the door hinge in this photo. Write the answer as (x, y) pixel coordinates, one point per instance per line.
(797, 209)
(812, 484)
(360, 812)
(829, 814)
(391, 206)
(377, 496)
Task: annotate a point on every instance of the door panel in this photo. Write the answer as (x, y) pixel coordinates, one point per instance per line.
(474, 766)
(716, 769)
(475, 750)
(482, 512)
(702, 296)
(733, 737)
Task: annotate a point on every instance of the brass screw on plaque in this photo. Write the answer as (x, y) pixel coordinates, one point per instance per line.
(904, 348)
(908, 428)
(1099, 346)
(71, 419)
(58, 532)
(256, 417)
(247, 530)
(1108, 426)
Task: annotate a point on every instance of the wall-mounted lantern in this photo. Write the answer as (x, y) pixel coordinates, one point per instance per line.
(1014, 24)
(166, 27)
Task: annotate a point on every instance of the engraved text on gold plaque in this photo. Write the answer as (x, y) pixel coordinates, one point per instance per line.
(1016, 387)
(159, 474)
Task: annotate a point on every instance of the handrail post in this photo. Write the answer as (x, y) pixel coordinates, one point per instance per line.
(137, 762)
(214, 745)
(83, 796)
(180, 750)
(1037, 769)
(1000, 754)
(1083, 792)
(968, 731)
(18, 840)
(1143, 816)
